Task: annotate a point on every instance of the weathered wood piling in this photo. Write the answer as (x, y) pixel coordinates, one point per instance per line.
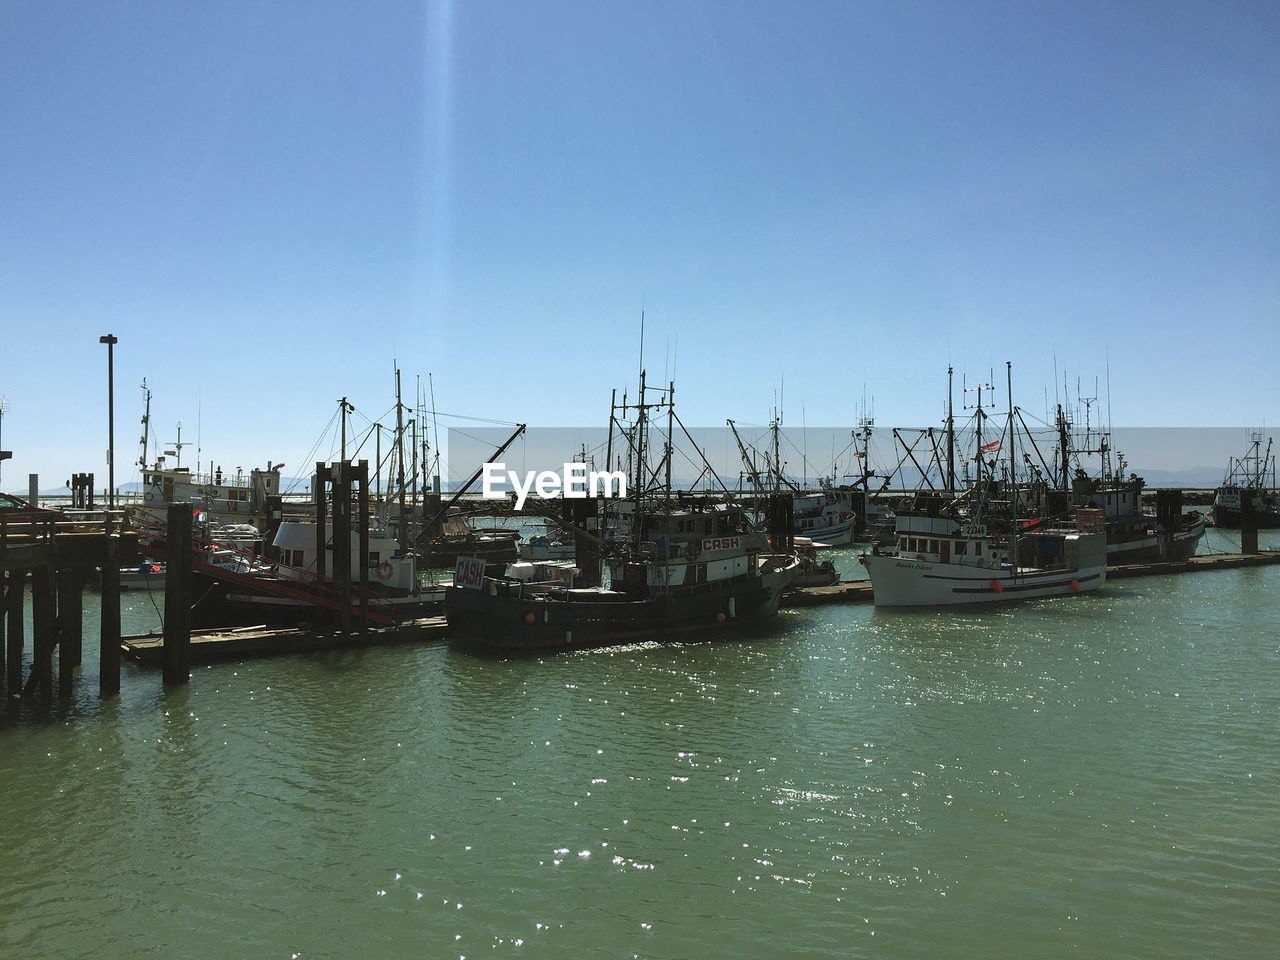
(177, 595)
(52, 557)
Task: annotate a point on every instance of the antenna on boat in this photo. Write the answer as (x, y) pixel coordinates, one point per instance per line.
(179, 444)
(977, 420)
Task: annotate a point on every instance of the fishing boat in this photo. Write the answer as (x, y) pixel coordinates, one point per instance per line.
(813, 572)
(1136, 534)
(942, 558)
(543, 547)
(1247, 476)
(147, 575)
(825, 516)
(680, 567)
(975, 548)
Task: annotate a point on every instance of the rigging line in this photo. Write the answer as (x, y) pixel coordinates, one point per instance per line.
(311, 454)
(472, 436)
(459, 416)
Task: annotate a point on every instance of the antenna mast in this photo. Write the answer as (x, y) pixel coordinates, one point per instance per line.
(146, 423)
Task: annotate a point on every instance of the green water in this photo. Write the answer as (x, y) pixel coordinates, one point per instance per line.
(1092, 777)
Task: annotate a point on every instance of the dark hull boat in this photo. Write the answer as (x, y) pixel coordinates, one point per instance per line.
(509, 615)
(1247, 478)
(1134, 533)
(673, 567)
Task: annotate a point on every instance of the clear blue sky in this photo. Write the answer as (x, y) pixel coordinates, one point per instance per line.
(272, 203)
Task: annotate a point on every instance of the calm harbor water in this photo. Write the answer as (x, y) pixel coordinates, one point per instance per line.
(1091, 777)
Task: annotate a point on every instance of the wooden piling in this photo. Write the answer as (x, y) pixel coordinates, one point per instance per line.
(341, 476)
(362, 478)
(318, 497)
(70, 628)
(1248, 523)
(109, 636)
(71, 583)
(44, 630)
(15, 640)
(177, 596)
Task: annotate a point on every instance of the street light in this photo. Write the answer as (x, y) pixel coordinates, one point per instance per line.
(111, 341)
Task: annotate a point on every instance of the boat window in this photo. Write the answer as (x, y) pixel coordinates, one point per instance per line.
(977, 549)
(960, 548)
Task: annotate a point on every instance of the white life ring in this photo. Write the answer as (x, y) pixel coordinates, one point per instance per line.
(385, 570)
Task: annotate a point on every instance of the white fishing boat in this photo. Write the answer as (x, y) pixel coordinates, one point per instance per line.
(542, 547)
(825, 516)
(973, 549)
(393, 570)
(940, 559)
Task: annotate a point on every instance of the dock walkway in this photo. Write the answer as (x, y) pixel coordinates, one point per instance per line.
(236, 643)
(261, 641)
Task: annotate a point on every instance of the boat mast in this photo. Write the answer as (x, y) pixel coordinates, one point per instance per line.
(344, 407)
(608, 450)
(403, 526)
(146, 422)
(413, 448)
(978, 416)
(641, 413)
(178, 445)
(1013, 486)
(951, 442)
(671, 393)
(1064, 444)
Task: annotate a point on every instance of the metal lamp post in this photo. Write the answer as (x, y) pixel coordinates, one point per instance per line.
(110, 340)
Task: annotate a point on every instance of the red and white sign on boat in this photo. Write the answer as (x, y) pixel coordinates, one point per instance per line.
(468, 572)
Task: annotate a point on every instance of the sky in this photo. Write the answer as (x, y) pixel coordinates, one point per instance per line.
(816, 208)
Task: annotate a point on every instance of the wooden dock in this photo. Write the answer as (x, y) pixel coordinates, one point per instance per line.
(209, 646)
(237, 643)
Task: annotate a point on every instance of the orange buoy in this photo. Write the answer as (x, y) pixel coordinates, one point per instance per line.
(720, 617)
(997, 586)
(528, 618)
(1075, 586)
